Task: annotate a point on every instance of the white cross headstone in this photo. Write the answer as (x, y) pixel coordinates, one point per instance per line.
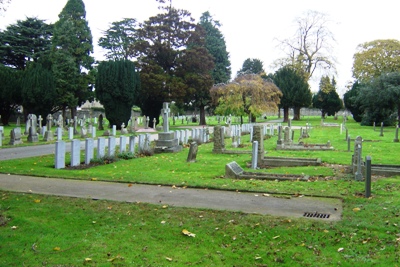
(165, 114)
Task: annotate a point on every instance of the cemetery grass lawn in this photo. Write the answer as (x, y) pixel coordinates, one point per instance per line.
(38, 230)
(49, 231)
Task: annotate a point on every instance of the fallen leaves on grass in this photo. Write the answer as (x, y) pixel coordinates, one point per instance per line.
(187, 233)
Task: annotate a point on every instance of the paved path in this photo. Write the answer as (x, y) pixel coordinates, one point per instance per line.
(162, 195)
(179, 197)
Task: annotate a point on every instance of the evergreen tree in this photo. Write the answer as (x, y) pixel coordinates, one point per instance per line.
(252, 65)
(327, 99)
(25, 41)
(350, 102)
(215, 44)
(38, 89)
(10, 92)
(117, 86)
(118, 39)
(195, 67)
(296, 91)
(71, 49)
(162, 41)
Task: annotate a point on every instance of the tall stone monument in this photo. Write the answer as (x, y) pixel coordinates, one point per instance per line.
(166, 140)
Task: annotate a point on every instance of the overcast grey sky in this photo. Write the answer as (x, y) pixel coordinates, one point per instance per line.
(250, 27)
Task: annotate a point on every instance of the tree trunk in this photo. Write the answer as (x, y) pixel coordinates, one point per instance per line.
(285, 114)
(202, 115)
(296, 115)
(253, 118)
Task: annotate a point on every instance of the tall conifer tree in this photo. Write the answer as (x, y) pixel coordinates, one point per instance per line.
(72, 60)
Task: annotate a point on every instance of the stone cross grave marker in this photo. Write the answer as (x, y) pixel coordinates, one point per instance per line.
(165, 114)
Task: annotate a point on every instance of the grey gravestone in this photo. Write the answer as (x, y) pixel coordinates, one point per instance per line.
(123, 129)
(59, 133)
(141, 143)
(381, 129)
(254, 155)
(122, 144)
(114, 130)
(132, 143)
(71, 133)
(75, 152)
(33, 136)
(111, 146)
(60, 155)
(83, 132)
(219, 139)
(259, 137)
(89, 148)
(15, 136)
(2, 129)
(233, 170)
(101, 144)
(166, 140)
(396, 136)
(40, 119)
(357, 153)
(192, 152)
(93, 131)
(1, 138)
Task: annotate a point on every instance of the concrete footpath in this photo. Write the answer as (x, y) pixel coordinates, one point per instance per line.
(257, 203)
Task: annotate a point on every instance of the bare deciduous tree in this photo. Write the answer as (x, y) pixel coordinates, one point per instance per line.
(311, 47)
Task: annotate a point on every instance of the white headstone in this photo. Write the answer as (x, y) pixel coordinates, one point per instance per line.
(60, 155)
(101, 144)
(75, 152)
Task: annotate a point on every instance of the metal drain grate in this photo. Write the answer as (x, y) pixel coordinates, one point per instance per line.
(316, 215)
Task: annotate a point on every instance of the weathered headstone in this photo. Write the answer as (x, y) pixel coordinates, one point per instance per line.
(40, 119)
(192, 152)
(259, 137)
(123, 129)
(396, 136)
(381, 129)
(233, 170)
(154, 123)
(84, 133)
(219, 139)
(33, 136)
(1, 138)
(15, 136)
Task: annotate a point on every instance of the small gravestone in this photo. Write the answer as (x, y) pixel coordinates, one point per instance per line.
(396, 136)
(84, 133)
(381, 129)
(1, 138)
(192, 152)
(233, 170)
(114, 130)
(123, 129)
(15, 136)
